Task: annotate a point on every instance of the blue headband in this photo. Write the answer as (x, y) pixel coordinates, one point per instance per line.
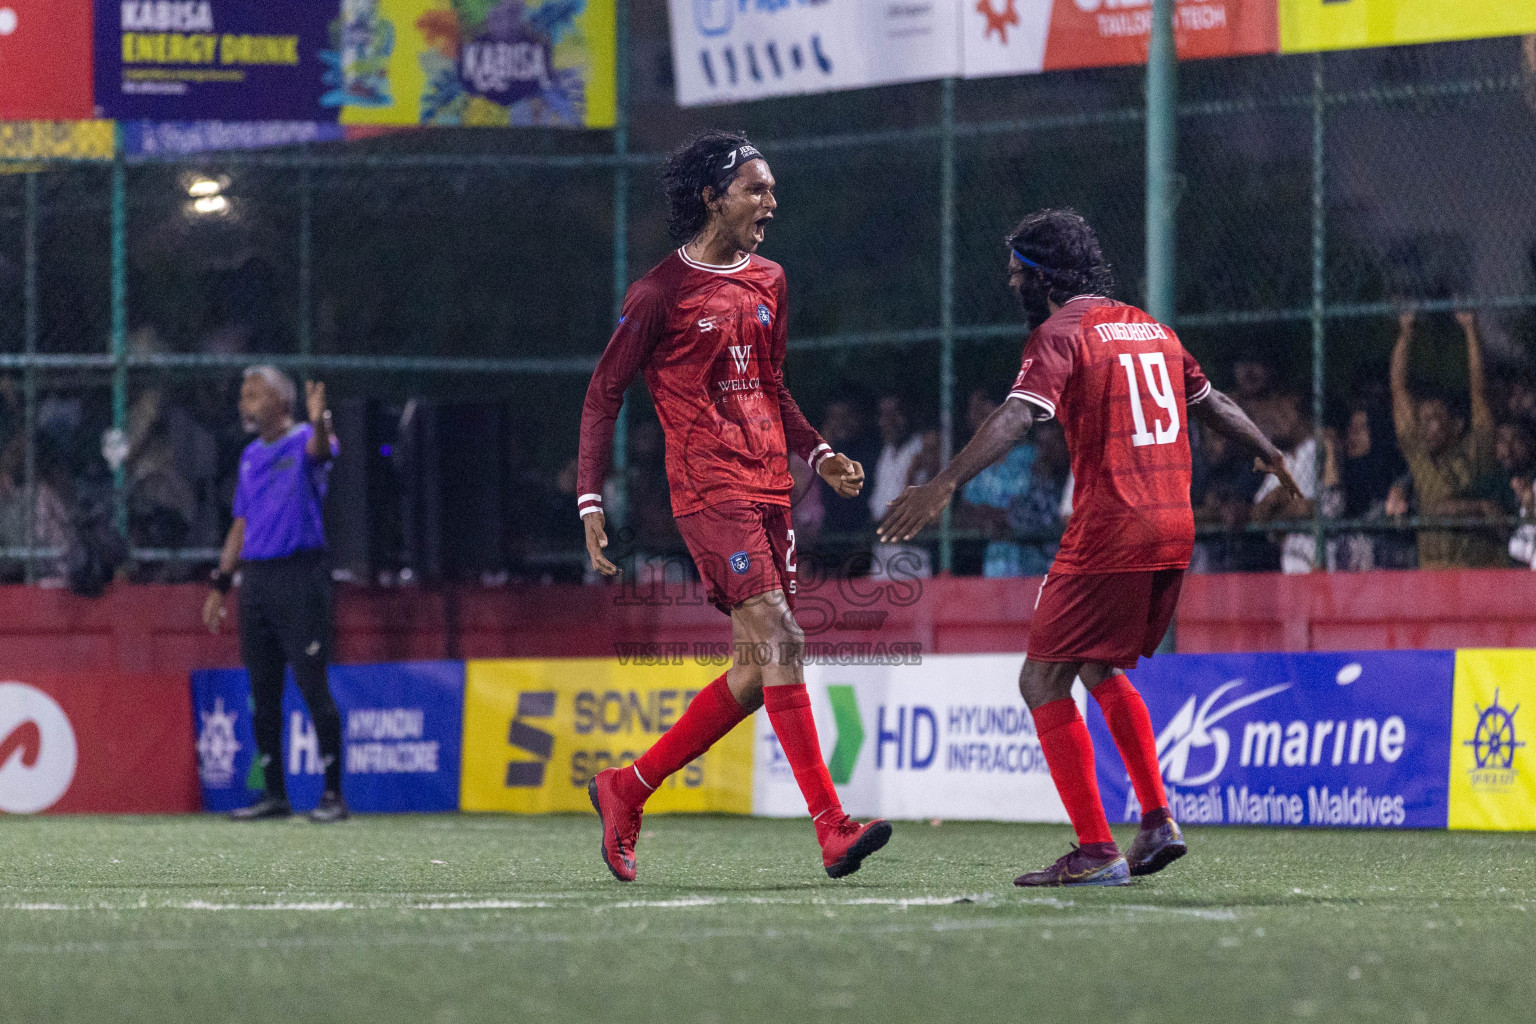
(1026, 260)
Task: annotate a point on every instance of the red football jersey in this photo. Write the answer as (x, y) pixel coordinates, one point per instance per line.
(711, 341)
(1120, 382)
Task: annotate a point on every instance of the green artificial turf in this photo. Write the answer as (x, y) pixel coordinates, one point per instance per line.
(489, 918)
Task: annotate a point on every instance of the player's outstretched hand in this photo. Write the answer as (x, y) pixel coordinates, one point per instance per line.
(597, 539)
(913, 509)
(845, 475)
(1277, 467)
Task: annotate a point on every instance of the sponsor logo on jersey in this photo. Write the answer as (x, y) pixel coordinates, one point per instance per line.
(763, 315)
(741, 354)
(740, 563)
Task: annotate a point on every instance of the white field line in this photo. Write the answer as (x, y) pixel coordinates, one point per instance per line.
(572, 903)
(466, 940)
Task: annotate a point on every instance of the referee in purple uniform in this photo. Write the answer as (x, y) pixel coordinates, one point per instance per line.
(278, 542)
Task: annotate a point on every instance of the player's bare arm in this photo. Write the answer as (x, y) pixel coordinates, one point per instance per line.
(1221, 414)
(916, 507)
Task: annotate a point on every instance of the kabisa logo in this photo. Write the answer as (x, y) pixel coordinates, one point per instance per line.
(740, 563)
(38, 752)
(530, 739)
(1194, 729)
(764, 317)
(217, 746)
(1494, 744)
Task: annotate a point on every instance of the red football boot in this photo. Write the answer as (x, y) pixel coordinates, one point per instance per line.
(845, 843)
(620, 822)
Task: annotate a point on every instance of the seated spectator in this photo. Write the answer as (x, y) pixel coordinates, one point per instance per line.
(1514, 447)
(1292, 433)
(1450, 462)
(1254, 388)
(1036, 514)
(985, 501)
(908, 457)
(1358, 472)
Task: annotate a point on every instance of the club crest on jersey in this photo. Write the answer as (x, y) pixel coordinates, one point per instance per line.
(764, 316)
(740, 563)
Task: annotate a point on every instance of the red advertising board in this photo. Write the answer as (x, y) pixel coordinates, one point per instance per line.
(1093, 33)
(97, 743)
(45, 60)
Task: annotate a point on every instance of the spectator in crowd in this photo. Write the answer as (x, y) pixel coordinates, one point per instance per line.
(1221, 492)
(1359, 469)
(1514, 447)
(1254, 388)
(986, 500)
(908, 457)
(1292, 433)
(807, 510)
(1035, 514)
(1450, 461)
(845, 426)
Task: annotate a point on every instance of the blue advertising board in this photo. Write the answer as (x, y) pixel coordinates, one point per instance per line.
(402, 729)
(1357, 739)
(187, 60)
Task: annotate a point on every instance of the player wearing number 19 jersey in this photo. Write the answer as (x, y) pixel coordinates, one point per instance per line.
(1124, 389)
(708, 327)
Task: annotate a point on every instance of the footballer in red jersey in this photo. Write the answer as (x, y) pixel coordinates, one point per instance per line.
(1124, 389)
(708, 326)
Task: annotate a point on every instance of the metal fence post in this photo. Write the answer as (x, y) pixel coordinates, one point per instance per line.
(306, 265)
(618, 514)
(119, 340)
(1319, 538)
(29, 373)
(1162, 150)
(1162, 197)
(946, 306)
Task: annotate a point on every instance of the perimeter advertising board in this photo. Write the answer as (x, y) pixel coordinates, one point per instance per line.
(944, 738)
(401, 728)
(45, 60)
(536, 731)
(1307, 25)
(1493, 769)
(1349, 739)
(105, 744)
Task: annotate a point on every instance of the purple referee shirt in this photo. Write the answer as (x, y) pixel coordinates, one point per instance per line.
(279, 495)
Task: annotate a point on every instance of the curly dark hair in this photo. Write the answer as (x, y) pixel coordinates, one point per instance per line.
(1067, 251)
(689, 171)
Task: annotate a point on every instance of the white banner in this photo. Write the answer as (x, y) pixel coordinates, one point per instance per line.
(729, 50)
(949, 738)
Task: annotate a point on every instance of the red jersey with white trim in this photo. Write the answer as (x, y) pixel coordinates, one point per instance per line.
(711, 341)
(1120, 382)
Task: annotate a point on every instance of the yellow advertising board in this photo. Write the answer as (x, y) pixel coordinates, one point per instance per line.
(536, 731)
(56, 140)
(1493, 720)
(468, 63)
(1308, 25)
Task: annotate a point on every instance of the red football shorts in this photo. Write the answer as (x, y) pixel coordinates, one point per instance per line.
(742, 549)
(1110, 618)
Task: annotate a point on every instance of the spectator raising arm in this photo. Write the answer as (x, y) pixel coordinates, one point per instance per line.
(1482, 416)
(1402, 399)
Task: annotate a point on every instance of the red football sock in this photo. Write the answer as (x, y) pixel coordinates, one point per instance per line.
(1131, 726)
(789, 709)
(712, 714)
(1069, 752)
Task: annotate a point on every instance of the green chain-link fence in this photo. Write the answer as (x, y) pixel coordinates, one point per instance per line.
(1317, 195)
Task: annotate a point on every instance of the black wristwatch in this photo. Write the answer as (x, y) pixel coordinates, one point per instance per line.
(221, 581)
